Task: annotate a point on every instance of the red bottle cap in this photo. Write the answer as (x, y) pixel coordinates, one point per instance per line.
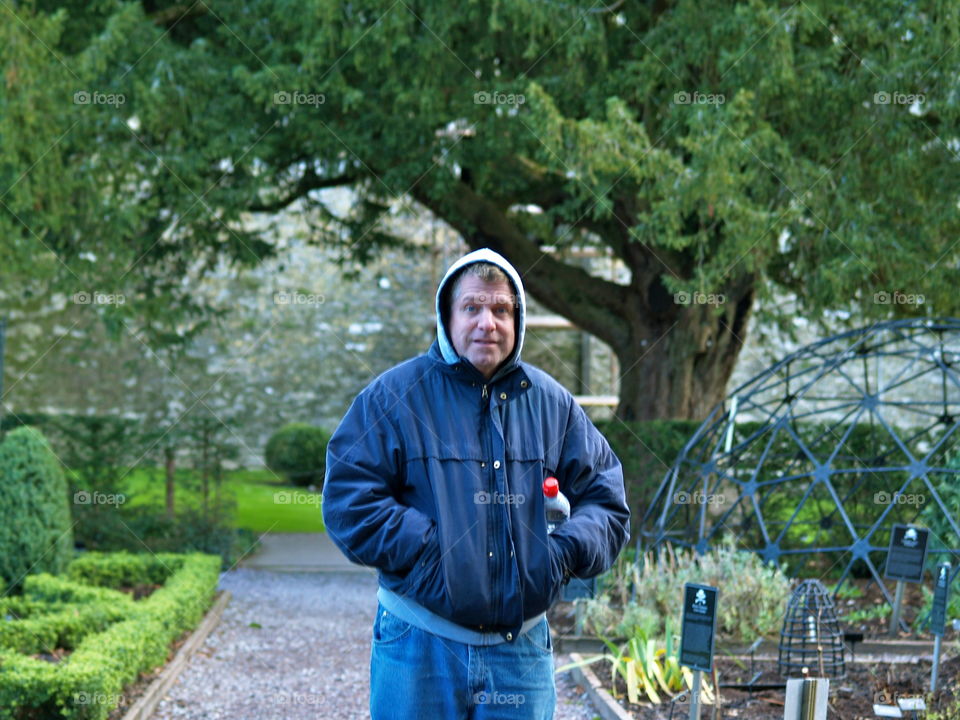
(551, 487)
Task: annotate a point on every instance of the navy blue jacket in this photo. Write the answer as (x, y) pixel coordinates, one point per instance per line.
(434, 477)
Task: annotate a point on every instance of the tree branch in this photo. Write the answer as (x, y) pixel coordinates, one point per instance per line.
(310, 181)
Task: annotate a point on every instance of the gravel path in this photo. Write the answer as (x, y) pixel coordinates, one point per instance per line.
(293, 646)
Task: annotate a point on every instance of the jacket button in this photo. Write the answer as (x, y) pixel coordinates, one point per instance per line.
(496, 464)
(503, 396)
(523, 383)
(490, 554)
(509, 637)
(483, 464)
(511, 553)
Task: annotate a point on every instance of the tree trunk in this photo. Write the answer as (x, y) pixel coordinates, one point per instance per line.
(171, 471)
(680, 370)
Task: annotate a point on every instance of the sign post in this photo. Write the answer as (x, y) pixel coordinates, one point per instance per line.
(938, 617)
(697, 635)
(906, 556)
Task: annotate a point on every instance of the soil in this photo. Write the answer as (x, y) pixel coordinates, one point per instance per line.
(851, 698)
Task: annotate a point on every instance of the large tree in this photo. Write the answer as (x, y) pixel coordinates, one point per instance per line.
(726, 153)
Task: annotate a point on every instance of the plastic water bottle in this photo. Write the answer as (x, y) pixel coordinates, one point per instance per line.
(555, 503)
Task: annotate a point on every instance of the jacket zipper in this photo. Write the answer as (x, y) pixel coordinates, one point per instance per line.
(492, 517)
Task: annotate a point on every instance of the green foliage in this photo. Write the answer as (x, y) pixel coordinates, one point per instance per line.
(877, 612)
(724, 148)
(35, 527)
(922, 620)
(88, 684)
(647, 451)
(298, 451)
(122, 569)
(942, 534)
(191, 530)
(754, 595)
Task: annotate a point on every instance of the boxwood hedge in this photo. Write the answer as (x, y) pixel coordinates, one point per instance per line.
(89, 683)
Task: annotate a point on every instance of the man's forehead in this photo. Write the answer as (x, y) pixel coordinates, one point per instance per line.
(492, 295)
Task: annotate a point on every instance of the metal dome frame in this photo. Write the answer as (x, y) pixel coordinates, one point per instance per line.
(847, 416)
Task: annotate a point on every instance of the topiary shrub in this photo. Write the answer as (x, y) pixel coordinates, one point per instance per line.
(35, 526)
(298, 452)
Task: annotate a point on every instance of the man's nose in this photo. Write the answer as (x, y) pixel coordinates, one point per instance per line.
(486, 322)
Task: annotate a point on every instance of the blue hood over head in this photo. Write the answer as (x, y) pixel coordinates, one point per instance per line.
(488, 256)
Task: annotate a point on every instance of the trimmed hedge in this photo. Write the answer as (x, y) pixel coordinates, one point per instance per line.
(647, 450)
(298, 451)
(123, 569)
(35, 527)
(89, 683)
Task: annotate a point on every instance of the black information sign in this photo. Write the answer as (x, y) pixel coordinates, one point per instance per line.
(907, 553)
(578, 588)
(941, 588)
(699, 626)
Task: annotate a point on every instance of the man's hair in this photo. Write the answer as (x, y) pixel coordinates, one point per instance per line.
(487, 272)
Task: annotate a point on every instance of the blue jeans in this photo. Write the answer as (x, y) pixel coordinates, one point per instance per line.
(415, 674)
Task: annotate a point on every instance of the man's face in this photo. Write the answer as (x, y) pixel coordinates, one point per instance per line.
(482, 323)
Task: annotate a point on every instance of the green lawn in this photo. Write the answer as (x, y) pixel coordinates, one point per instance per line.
(263, 502)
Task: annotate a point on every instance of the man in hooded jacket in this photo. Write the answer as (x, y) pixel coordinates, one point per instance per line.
(434, 477)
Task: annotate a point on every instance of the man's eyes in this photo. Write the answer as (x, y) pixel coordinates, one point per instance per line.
(502, 309)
